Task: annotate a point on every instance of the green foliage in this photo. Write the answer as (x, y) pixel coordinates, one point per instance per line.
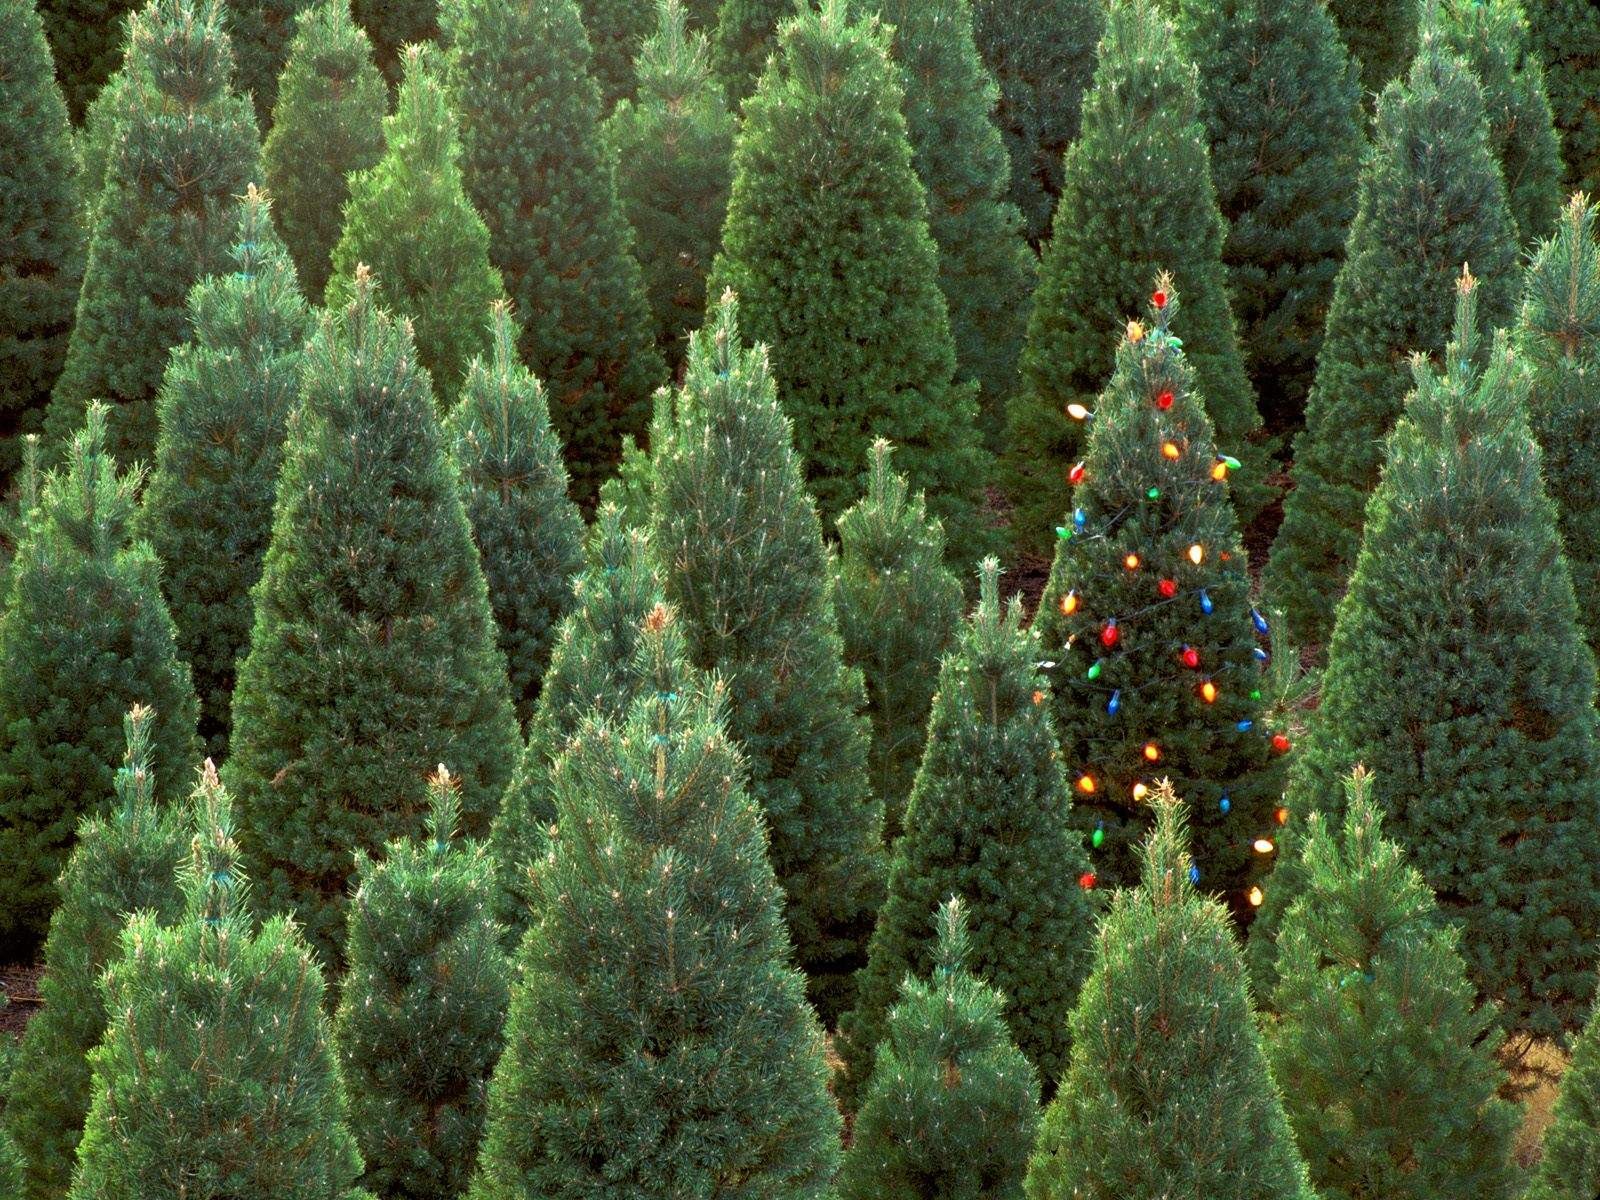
(1565, 36)
(1569, 1168)
(222, 410)
(87, 38)
(741, 549)
(408, 219)
(373, 653)
(1431, 199)
(745, 38)
(327, 125)
(1381, 36)
(659, 1042)
(898, 607)
(673, 147)
(85, 635)
(420, 1010)
(539, 172)
(616, 29)
(181, 150)
(394, 24)
(94, 138)
(952, 1107)
(1385, 1059)
(827, 247)
(216, 1076)
(1138, 198)
(124, 862)
(1169, 1092)
(1156, 664)
(1281, 104)
(261, 31)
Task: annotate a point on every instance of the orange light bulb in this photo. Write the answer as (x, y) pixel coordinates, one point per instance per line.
(1131, 562)
(1038, 696)
(1170, 450)
(1282, 815)
(1208, 692)
(1152, 752)
(1086, 784)
(1069, 604)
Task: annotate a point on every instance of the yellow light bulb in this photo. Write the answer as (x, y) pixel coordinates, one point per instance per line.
(1256, 897)
(1131, 562)
(1264, 846)
(1170, 449)
(1208, 692)
(1140, 791)
(1197, 554)
(1219, 472)
(1077, 412)
(1069, 604)
(1086, 784)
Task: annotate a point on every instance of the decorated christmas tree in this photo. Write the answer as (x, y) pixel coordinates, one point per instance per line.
(87, 38)
(1381, 36)
(1565, 36)
(1147, 626)
(616, 28)
(1569, 1167)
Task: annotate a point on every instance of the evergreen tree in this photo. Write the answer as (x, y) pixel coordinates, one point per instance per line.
(1431, 198)
(988, 822)
(985, 267)
(898, 608)
(529, 534)
(327, 126)
(1146, 617)
(1042, 54)
(1281, 104)
(216, 1076)
(393, 25)
(87, 38)
(673, 147)
(1569, 1168)
(658, 1042)
(372, 656)
(741, 549)
(1138, 198)
(41, 253)
(1169, 1092)
(95, 137)
(222, 410)
(123, 863)
(538, 170)
(746, 37)
(1385, 1059)
(827, 247)
(617, 29)
(1381, 36)
(1565, 36)
(952, 1107)
(419, 1018)
(409, 220)
(84, 636)
(262, 31)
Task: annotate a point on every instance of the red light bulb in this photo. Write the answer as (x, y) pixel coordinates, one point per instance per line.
(1075, 476)
(1164, 400)
(1280, 743)
(1109, 634)
(1168, 588)
(1190, 657)
(1086, 880)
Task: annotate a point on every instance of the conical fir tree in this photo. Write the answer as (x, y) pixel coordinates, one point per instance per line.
(216, 1075)
(1385, 1058)
(1569, 1167)
(988, 822)
(261, 32)
(952, 1108)
(87, 38)
(827, 246)
(222, 411)
(746, 36)
(538, 170)
(616, 29)
(1431, 199)
(1381, 36)
(742, 551)
(1565, 36)
(85, 635)
(673, 147)
(95, 137)
(123, 863)
(421, 1006)
(1169, 1092)
(658, 1042)
(1138, 199)
(394, 24)
(409, 220)
(1281, 104)
(529, 534)
(182, 150)
(373, 653)
(898, 608)
(1147, 619)
(327, 125)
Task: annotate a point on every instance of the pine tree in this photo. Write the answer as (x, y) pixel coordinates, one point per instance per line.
(952, 1108)
(898, 607)
(84, 636)
(1569, 1168)
(87, 38)
(1381, 36)
(1281, 104)
(419, 1018)
(746, 36)
(537, 168)
(1138, 198)
(988, 822)
(183, 149)
(95, 137)
(1042, 54)
(222, 411)
(673, 147)
(1146, 618)
(1169, 1092)
(1385, 1058)
(658, 1041)
(41, 253)
(529, 534)
(327, 126)
(985, 267)
(216, 1076)
(1565, 36)
(742, 553)
(827, 247)
(123, 863)
(261, 32)
(394, 24)
(1431, 199)
(373, 653)
(616, 29)
(409, 220)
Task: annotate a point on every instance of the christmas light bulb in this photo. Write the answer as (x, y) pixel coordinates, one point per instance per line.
(1140, 791)
(1259, 622)
(1114, 705)
(1153, 493)
(1224, 804)
(1219, 470)
(1282, 815)
(1135, 332)
(1229, 461)
(1098, 837)
(1256, 896)
(1110, 634)
(1164, 400)
(1208, 692)
(1086, 784)
(1189, 657)
(1244, 726)
(1063, 533)
(1168, 588)
(1069, 604)
(1194, 873)
(1094, 670)
(1152, 752)
(1079, 517)
(1280, 743)
(1260, 655)
(1255, 693)
(1158, 298)
(1197, 554)
(1077, 412)
(1038, 696)
(1075, 475)
(1263, 846)
(1205, 602)
(1086, 880)
(1131, 561)
(1170, 450)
